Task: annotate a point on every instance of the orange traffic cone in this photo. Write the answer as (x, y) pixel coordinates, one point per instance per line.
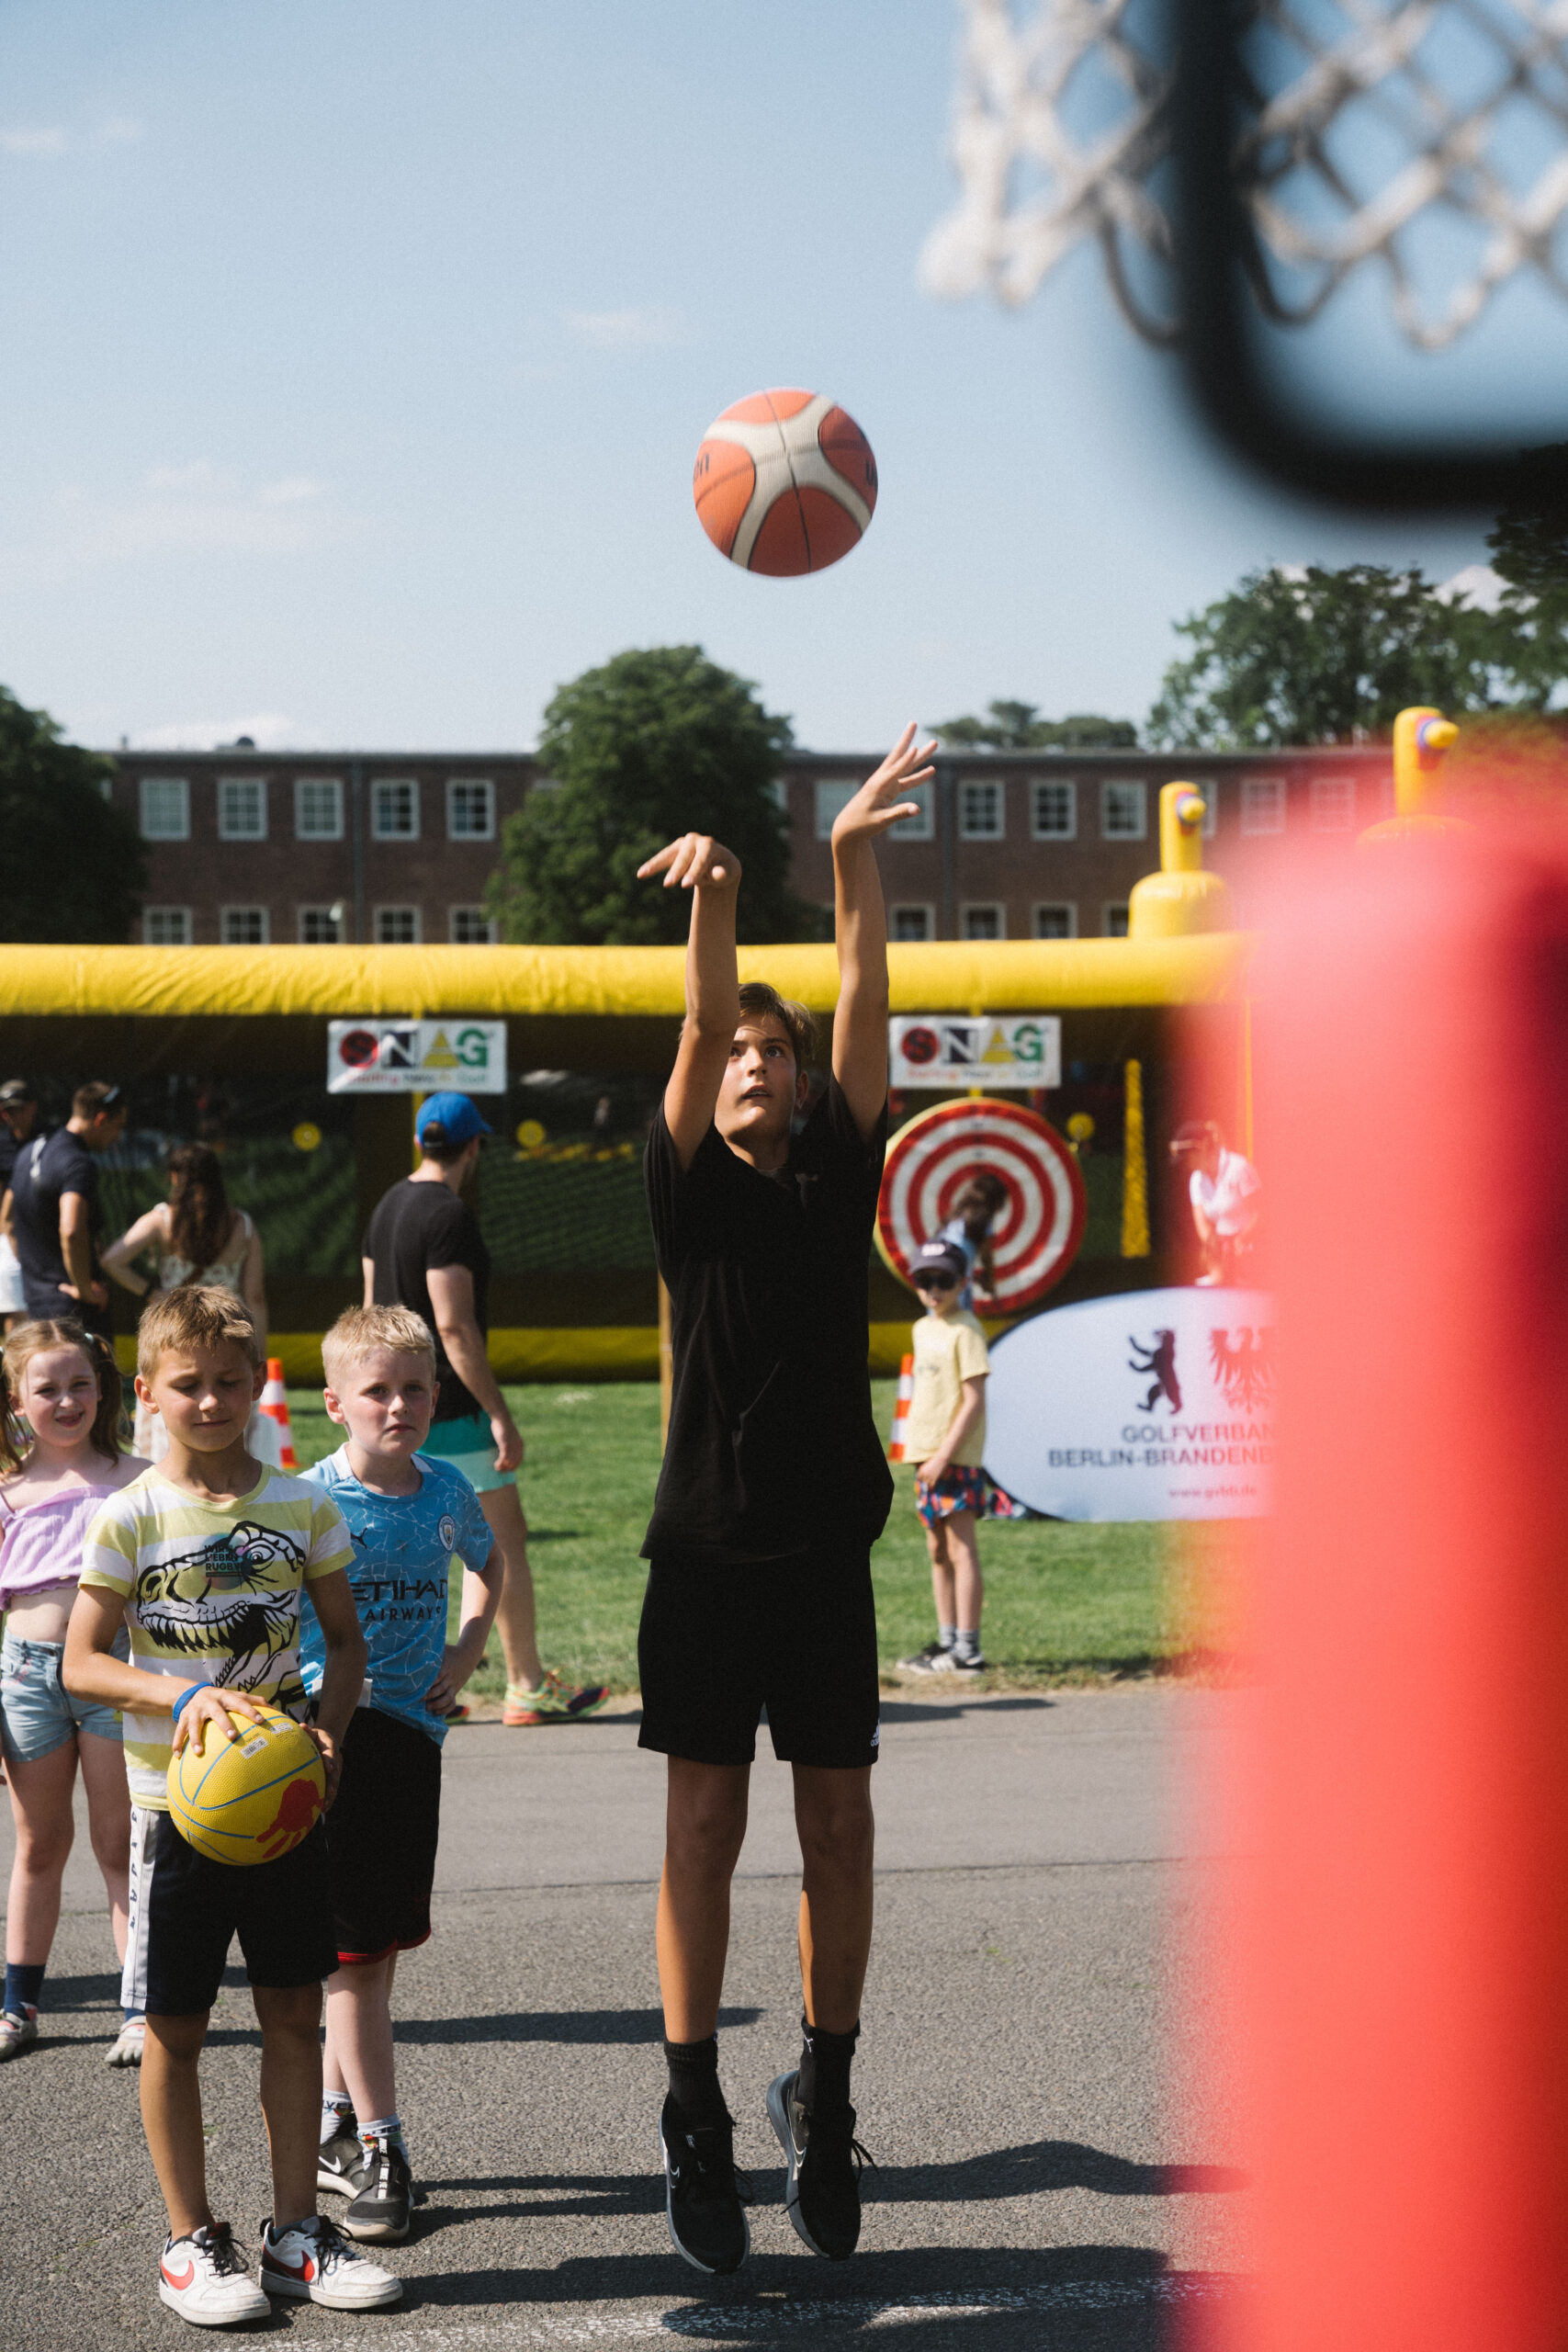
(273, 1407)
(901, 1408)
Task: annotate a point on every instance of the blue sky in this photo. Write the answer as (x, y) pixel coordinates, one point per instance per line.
(357, 352)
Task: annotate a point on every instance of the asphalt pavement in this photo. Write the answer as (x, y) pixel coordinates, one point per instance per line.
(1041, 2177)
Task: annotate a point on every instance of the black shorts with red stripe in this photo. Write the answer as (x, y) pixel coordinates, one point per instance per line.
(382, 1837)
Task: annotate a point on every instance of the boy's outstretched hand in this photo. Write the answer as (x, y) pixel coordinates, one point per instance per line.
(695, 862)
(877, 804)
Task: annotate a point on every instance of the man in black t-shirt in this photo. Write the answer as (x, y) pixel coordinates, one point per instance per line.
(773, 1489)
(422, 1249)
(56, 1217)
(19, 1125)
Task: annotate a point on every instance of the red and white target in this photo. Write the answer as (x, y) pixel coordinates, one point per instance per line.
(1034, 1237)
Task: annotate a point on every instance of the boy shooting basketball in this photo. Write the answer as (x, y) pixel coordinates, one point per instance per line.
(773, 1489)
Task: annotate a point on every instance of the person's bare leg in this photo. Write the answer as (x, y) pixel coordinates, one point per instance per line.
(171, 2117)
(969, 1591)
(108, 1823)
(837, 1842)
(40, 1808)
(502, 1507)
(290, 2021)
(942, 1574)
(704, 1829)
(359, 2050)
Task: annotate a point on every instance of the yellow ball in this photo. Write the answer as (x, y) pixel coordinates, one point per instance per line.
(251, 1798)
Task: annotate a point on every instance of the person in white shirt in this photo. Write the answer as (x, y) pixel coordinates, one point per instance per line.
(1225, 1192)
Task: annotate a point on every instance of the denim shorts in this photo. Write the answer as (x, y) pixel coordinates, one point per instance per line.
(37, 1712)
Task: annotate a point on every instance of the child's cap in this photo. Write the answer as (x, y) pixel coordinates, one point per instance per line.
(939, 1257)
(456, 1114)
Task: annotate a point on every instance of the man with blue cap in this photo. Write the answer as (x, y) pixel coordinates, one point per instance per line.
(423, 1249)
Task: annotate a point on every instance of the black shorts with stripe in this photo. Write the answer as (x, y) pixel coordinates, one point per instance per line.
(382, 1837)
(186, 1911)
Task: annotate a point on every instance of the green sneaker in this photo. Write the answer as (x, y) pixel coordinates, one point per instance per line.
(554, 1702)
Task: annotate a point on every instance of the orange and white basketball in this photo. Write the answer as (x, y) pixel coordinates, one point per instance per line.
(784, 483)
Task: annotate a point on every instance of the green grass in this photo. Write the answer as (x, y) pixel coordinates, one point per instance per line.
(1064, 1603)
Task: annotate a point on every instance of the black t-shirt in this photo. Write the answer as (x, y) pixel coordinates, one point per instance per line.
(772, 1443)
(416, 1226)
(62, 1164)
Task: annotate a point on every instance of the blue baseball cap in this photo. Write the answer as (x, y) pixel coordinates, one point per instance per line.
(454, 1115)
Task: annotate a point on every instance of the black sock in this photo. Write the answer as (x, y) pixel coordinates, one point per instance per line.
(693, 2082)
(825, 2068)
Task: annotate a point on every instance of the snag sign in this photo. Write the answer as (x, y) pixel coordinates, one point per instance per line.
(378, 1056)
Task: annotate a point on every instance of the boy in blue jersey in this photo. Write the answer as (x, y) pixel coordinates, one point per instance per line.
(408, 1515)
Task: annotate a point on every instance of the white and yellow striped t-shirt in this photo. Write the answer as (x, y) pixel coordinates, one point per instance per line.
(212, 1593)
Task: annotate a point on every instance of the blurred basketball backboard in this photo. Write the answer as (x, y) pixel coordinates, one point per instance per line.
(1350, 215)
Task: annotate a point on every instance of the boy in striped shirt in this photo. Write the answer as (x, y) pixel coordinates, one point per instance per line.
(205, 1557)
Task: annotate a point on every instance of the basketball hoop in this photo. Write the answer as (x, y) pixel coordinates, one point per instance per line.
(1363, 127)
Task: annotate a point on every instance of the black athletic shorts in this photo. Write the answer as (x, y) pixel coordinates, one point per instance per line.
(798, 1636)
(382, 1836)
(185, 1910)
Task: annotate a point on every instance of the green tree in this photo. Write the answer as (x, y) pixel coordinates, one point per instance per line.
(72, 865)
(1530, 549)
(658, 741)
(1328, 657)
(1017, 726)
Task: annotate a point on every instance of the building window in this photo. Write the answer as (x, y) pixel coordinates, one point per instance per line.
(1056, 809)
(166, 926)
(982, 810)
(1113, 918)
(1123, 812)
(921, 827)
(394, 808)
(910, 923)
(1332, 804)
(165, 809)
(1263, 803)
(397, 926)
(471, 808)
(471, 927)
(317, 807)
(320, 927)
(242, 808)
(1056, 919)
(987, 922)
(245, 926)
(830, 798)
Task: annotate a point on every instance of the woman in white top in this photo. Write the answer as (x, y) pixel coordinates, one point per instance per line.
(198, 1238)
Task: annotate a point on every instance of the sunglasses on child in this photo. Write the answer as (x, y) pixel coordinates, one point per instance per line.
(936, 1282)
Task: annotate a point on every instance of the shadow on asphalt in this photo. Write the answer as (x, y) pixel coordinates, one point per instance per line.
(552, 2025)
(1043, 2165)
(930, 1711)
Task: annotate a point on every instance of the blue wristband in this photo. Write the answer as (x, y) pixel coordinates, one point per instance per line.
(189, 1695)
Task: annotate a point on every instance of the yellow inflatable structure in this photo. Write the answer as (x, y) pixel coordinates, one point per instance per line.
(1181, 899)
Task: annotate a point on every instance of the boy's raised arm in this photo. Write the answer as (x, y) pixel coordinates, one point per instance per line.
(712, 873)
(860, 926)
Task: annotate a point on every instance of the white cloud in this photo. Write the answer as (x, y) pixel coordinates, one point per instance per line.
(269, 731)
(1476, 586)
(633, 330)
(20, 142)
(195, 508)
(294, 490)
(200, 474)
(120, 131)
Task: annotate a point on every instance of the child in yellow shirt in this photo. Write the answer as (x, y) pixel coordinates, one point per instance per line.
(945, 1437)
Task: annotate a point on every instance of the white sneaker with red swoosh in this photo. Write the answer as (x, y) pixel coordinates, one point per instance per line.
(315, 2263)
(203, 2279)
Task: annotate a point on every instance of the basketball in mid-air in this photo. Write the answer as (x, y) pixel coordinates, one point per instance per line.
(784, 483)
(249, 1799)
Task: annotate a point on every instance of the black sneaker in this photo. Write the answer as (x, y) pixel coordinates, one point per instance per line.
(339, 2162)
(379, 2213)
(935, 1659)
(824, 2159)
(968, 1662)
(705, 2196)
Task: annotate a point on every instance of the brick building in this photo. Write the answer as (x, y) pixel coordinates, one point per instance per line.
(251, 847)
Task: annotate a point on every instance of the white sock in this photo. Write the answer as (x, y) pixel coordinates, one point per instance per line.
(336, 2109)
(385, 2127)
(966, 1641)
(947, 1635)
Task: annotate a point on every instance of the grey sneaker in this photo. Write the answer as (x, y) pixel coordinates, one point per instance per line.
(339, 2162)
(16, 2033)
(379, 2213)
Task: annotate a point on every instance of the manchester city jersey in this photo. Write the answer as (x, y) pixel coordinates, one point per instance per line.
(403, 1549)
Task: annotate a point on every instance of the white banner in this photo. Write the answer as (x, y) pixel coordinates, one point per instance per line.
(946, 1049)
(416, 1056)
(1151, 1404)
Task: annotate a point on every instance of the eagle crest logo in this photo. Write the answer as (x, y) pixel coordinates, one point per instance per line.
(1244, 1367)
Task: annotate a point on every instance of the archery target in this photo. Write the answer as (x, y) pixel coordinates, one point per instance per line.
(1037, 1234)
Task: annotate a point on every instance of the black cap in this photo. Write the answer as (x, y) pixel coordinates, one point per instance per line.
(940, 1257)
(16, 1089)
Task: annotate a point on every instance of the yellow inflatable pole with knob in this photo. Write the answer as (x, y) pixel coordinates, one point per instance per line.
(1181, 898)
(1422, 740)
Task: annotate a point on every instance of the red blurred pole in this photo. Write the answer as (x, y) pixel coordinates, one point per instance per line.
(1405, 1983)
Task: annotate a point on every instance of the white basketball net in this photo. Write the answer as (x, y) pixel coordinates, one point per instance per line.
(1386, 122)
